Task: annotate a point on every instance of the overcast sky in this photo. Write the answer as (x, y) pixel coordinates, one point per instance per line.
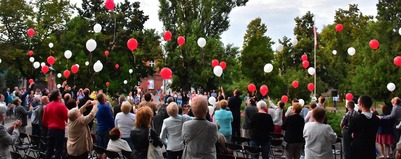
(278, 15)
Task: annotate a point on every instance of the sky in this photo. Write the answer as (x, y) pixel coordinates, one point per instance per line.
(278, 15)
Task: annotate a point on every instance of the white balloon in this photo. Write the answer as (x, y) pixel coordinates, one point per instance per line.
(32, 59)
(58, 75)
(51, 45)
(201, 42)
(125, 81)
(162, 87)
(67, 54)
(311, 71)
(301, 101)
(211, 110)
(42, 64)
(334, 52)
(351, 51)
(391, 87)
(130, 71)
(77, 65)
(294, 41)
(1, 61)
(58, 85)
(169, 81)
(212, 100)
(218, 71)
(399, 31)
(36, 65)
(97, 28)
(98, 66)
(268, 68)
(87, 63)
(91, 45)
(279, 47)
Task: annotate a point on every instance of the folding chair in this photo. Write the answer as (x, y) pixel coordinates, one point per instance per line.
(252, 151)
(15, 155)
(34, 146)
(112, 154)
(276, 145)
(236, 148)
(126, 154)
(22, 145)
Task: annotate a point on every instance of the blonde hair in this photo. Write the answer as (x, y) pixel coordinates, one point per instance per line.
(143, 117)
(172, 109)
(223, 104)
(126, 107)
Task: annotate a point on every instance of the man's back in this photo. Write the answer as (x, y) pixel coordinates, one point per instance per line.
(149, 104)
(364, 131)
(55, 115)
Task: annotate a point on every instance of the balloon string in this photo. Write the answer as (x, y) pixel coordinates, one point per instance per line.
(90, 81)
(203, 56)
(114, 35)
(182, 57)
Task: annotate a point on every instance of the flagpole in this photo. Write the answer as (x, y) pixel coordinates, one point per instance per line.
(314, 59)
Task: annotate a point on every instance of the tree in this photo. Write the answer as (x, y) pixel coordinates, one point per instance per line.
(195, 19)
(256, 54)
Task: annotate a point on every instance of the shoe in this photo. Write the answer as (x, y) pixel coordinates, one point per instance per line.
(381, 157)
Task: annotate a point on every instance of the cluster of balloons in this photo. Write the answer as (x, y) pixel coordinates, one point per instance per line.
(218, 68)
(263, 89)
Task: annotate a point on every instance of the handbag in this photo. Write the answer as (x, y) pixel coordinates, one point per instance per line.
(153, 151)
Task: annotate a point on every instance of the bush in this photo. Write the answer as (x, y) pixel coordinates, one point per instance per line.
(334, 120)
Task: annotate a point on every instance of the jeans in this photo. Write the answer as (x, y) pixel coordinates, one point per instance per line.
(293, 150)
(55, 141)
(174, 154)
(36, 130)
(265, 145)
(347, 143)
(129, 141)
(103, 139)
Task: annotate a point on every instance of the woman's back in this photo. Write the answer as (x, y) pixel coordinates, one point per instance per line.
(224, 118)
(140, 141)
(200, 137)
(125, 122)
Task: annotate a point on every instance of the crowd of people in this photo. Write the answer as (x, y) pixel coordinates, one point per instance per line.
(72, 123)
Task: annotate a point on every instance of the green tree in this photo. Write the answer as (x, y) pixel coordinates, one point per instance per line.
(195, 19)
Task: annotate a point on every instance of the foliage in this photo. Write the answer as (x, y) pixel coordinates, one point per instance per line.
(334, 120)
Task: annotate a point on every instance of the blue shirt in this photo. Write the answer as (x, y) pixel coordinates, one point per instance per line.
(224, 118)
(104, 117)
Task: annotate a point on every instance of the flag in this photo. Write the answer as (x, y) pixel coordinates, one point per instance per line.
(315, 35)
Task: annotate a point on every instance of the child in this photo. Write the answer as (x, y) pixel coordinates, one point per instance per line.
(384, 133)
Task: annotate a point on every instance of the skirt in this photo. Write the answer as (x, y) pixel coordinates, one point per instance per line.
(386, 139)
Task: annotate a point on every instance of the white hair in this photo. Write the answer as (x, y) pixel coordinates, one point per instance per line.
(261, 104)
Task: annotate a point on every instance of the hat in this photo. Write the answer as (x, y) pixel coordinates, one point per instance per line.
(3, 110)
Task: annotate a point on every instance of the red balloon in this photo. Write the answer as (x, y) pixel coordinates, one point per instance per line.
(45, 69)
(311, 86)
(251, 87)
(397, 61)
(215, 63)
(107, 84)
(132, 44)
(339, 27)
(264, 90)
(30, 52)
(30, 81)
(30, 32)
(167, 36)
(349, 96)
(110, 4)
(66, 73)
(181, 40)
(305, 64)
(295, 84)
(223, 65)
(304, 57)
(284, 98)
(51, 60)
(166, 73)
(106, 53)
(74, 69)
(148, 83)
(374, 44)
